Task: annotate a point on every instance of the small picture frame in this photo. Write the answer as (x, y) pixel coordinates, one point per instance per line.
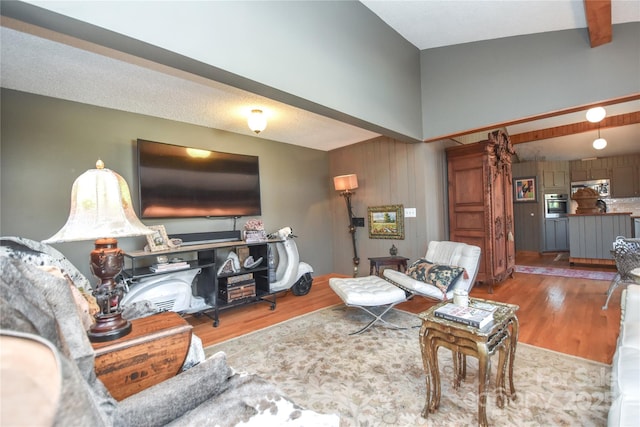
(524, 189)
(386, 222)
(158, 241)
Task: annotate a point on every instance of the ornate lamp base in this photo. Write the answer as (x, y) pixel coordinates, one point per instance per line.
(109, 327)
(106, 263)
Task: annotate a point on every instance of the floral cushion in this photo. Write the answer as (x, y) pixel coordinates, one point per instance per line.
(444, 277)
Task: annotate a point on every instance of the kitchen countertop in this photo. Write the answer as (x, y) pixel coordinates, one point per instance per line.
(598, 214)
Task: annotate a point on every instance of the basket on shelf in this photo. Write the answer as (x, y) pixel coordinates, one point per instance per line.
(587, 199)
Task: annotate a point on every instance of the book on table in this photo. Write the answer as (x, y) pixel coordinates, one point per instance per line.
(467, 315)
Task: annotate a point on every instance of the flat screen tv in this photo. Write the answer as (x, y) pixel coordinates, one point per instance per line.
(184, 182)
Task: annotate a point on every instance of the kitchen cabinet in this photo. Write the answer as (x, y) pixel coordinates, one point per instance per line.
(556, 234)
(623, 171)
(481, 203)
(555, 176)
(591, 237)
(554, 179)
(585, 170)
(589, 174)
(625, 181)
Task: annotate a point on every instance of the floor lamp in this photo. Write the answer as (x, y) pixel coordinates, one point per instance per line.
(101, 210)
(346, 184)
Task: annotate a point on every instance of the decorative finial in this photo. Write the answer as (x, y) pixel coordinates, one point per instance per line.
(99, 164)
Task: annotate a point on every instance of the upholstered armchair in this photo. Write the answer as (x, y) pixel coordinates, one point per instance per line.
(38, 310)
(448, 254)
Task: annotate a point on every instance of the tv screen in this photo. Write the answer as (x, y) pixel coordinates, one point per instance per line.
(184, 182)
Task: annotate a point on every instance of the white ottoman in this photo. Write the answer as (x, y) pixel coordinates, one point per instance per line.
(369, 291)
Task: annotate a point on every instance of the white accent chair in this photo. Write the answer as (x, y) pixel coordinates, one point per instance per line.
(445, 253)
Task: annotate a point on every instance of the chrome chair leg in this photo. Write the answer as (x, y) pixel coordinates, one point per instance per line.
(612, 287)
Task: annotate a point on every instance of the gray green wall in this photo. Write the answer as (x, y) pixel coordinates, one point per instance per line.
(47, 143)
(490, 82)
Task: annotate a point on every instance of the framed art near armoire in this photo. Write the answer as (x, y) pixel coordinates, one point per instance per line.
(386, 222)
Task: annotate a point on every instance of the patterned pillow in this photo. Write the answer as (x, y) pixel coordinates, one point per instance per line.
(441, 276)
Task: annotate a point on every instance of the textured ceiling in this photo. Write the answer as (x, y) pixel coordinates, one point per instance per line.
(51, 68)
(45, 63)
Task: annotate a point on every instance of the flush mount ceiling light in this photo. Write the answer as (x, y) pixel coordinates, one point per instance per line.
(257, 121)
(596, 114)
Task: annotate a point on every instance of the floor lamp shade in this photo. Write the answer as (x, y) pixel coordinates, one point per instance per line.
(345, 182)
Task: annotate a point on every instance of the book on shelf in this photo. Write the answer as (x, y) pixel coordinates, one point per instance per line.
(169, 266)
(239, 278)
(467, 315)
(239, 284)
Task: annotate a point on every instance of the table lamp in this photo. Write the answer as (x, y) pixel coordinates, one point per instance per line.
(101, 210)
(346, 184)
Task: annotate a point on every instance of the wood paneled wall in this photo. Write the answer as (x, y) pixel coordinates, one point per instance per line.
(389, 172)
(528, 216)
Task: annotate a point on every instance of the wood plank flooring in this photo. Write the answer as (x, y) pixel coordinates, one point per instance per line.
(558, 313)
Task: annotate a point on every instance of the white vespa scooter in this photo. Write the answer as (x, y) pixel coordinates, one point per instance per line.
(290, 272)
(173, 291)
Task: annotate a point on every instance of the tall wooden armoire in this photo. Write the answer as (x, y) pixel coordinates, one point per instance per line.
(481, 203)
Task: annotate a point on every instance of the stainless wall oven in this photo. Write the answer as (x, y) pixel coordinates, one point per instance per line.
(556, 205)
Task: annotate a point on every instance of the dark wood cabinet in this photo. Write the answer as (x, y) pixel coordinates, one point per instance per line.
(481, 203)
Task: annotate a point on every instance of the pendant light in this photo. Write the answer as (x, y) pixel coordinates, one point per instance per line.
(596, 115)
(599, 143)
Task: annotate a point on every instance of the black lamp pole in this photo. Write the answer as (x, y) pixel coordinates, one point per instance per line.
(352, 230)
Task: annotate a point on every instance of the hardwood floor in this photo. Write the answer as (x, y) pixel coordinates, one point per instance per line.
(558, 313)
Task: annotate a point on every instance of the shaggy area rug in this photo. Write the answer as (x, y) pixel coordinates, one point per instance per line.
(377, 378)
(566, 272)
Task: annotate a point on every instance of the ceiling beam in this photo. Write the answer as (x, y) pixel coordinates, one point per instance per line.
(557, 113)
(598, 14)
(581, 127)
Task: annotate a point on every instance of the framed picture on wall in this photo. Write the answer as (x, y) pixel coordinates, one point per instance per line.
(158, 241)
(386, 222)
(524, 189)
